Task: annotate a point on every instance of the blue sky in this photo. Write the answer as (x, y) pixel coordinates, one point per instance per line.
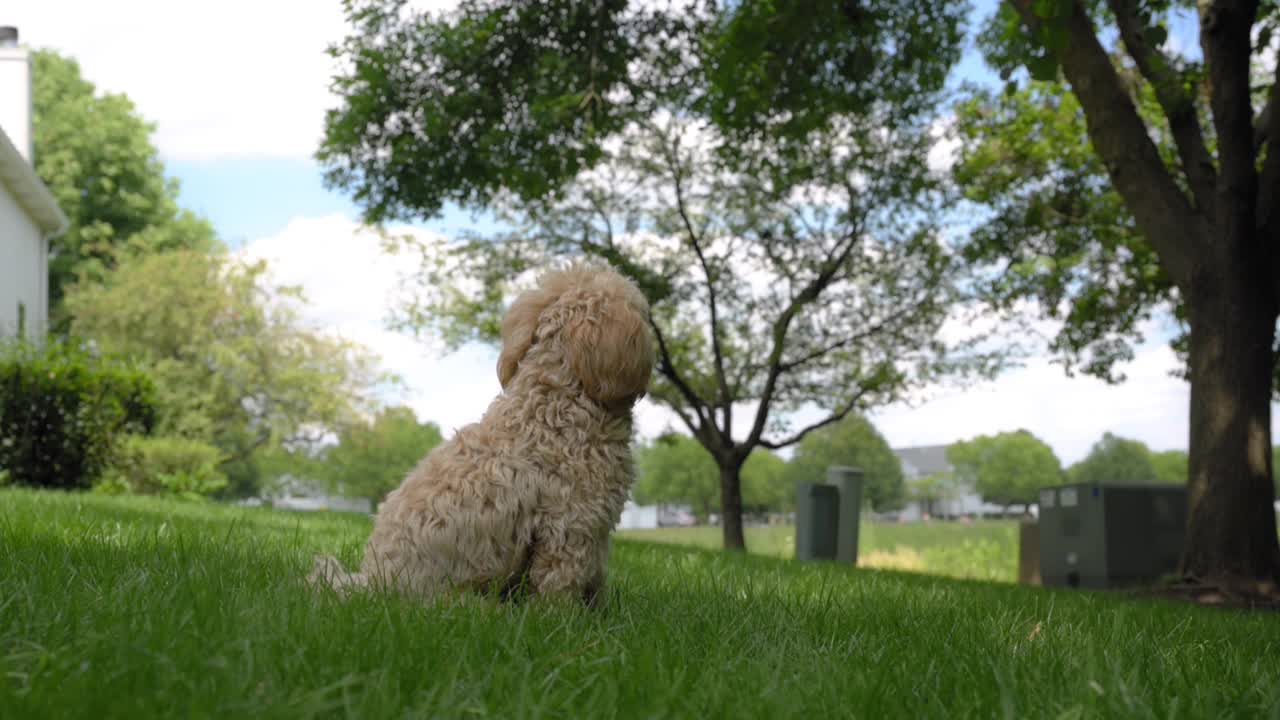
(239, 109)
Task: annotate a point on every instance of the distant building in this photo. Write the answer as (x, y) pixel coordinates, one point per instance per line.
(293, 493)
(920, 463)
(29, 215)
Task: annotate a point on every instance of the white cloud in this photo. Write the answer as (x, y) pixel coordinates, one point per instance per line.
(237, 78)
(350, 285)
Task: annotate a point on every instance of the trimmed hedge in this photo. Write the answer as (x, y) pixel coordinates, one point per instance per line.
(62, 410)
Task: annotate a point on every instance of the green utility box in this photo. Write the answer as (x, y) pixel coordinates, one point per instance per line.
(1110, 535)
(827, 516)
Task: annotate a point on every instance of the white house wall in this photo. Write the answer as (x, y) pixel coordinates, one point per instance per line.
(23, 273)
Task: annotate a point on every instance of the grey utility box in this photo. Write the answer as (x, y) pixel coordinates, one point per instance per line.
(1110, 535)
(827, 516)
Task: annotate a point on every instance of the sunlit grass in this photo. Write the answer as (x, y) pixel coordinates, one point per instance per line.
(145, 609)
(982, 550)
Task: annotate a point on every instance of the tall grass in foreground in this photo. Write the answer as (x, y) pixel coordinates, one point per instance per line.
(982, 550)
(141, 608)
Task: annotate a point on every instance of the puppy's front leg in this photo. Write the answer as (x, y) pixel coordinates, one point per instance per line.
(568, 564)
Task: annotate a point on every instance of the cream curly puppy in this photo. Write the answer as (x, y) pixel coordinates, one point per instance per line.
(527, 496)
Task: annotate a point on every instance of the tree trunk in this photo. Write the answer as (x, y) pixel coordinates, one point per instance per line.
(731, 505)
(1231, 527)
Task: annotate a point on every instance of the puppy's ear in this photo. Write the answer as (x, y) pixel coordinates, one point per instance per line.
(518, 328)
(611, 352)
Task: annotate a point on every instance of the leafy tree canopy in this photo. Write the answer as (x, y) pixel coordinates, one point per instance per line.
(1006, 468)
(94, 152)
(233, 362)
(1115, 459)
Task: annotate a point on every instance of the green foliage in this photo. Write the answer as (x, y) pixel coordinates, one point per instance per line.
(1057, 232)
(62, 411)
(507, 97)
(675, 468)
(1115, 459)
(933, 489)
(371, 459)
(94, 152)
(165, 465)
(1170, 466)
(1006, 468)
(764, 483)
(234, 365)
(855, 442)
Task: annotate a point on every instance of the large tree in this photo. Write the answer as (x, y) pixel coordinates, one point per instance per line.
(785, 232)
(1007, 468)
(855, 442)
(1172, 201)
(94, 152)
(233, 362)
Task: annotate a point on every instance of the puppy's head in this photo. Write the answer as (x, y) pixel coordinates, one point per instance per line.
(595, 320)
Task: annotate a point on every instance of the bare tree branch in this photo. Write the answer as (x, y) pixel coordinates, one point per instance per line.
(668, 370)
(1166, 218)
(809, 294)
(906, 309)
(834, 417)
(672, 151)
(1178, 105)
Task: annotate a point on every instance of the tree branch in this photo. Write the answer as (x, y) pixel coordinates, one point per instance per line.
(1268, 218)
(1225, 26)
(834, 417)
(780, 327)
(1120, 137)
(695, 239)
(1178, 105)
(907, 308)
(668, 370)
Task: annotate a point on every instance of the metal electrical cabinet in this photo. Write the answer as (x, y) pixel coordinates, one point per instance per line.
(1110, 535)
(827, 516)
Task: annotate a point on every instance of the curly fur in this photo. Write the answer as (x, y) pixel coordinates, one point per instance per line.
(527, 496)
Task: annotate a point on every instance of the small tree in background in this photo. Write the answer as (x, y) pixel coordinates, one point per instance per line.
(1170, 466)
(1114, 459)
(1007, 468)
(675, 469)
(855, 442)
(372, 459)
(934, 489)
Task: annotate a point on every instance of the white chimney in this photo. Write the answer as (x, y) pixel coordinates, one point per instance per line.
(15, 91)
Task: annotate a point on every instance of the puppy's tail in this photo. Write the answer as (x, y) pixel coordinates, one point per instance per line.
(328, 572)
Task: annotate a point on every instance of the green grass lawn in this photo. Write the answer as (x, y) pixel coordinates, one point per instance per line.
(984, 550)
(141, 608)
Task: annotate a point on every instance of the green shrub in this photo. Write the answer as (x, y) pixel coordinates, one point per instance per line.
(62, 410)
(165, 465)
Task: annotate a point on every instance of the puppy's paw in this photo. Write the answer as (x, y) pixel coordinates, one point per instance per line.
(329, 573)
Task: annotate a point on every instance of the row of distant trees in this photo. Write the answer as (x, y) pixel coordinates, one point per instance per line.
(1005, 469)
